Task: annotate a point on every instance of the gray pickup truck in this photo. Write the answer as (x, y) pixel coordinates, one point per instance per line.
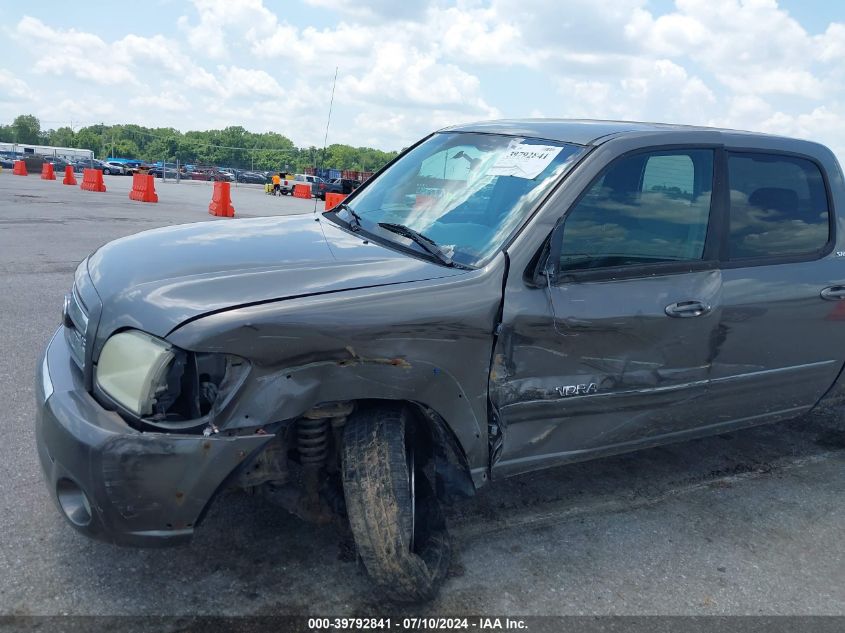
(503, 297)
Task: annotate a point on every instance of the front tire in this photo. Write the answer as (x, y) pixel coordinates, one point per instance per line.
(394, 513)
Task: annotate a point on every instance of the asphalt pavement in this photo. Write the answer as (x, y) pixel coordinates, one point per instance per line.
(748, 523)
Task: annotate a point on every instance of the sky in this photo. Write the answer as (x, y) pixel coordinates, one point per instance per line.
(405, 68)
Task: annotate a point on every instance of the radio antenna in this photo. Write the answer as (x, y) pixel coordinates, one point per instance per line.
(326, 137)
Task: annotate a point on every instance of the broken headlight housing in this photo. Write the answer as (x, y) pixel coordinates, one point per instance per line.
(151, 380)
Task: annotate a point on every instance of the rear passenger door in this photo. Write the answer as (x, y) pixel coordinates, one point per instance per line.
(775, 353)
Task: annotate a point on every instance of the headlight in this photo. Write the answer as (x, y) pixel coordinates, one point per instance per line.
(132, 370)
(166, 386)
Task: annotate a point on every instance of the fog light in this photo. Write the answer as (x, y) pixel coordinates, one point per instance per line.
(73, 502)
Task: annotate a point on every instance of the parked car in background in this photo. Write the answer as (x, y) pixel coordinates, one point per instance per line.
(321, 188)
(120, 168)
(252, 177)
(58, 162)
(109, 168)
(34, 162)
(210, 174)
(79, 165)
(344, 186)
(7, 162)
(93, 163)
(161, 172)
(131, 167)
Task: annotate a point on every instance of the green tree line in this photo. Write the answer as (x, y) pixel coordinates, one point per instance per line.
(230, 147)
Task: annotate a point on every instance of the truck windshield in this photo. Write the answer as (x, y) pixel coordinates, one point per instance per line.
(465, 192)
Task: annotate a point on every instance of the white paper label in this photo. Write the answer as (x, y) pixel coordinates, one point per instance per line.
(524, 161)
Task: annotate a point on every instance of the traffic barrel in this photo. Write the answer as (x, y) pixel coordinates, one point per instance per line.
(333, 199)
(92, 180)
(19, 168)
(70, 177)
(221, 201)
(143, 188)
(47, 172)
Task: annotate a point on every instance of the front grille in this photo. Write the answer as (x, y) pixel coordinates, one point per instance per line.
(76, 327)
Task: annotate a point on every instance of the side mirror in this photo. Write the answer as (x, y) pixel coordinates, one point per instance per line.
(548, 263)
(552, 264)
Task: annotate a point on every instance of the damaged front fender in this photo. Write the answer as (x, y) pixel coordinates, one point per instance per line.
(427, 343)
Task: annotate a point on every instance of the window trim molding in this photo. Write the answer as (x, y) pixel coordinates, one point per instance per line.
(725, 261)
(635, 271)
(712, 239)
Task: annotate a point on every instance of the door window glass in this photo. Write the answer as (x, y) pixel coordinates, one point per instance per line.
(646, 208)
(778, 206)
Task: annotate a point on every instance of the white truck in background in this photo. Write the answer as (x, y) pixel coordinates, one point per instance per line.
(287, 183)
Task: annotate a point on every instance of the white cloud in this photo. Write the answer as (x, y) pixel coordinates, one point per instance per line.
(350, 44)
(817, 124)
(149, 53)
(585, 26)
(408, 68)
(480, 36)
(204, 82)
(751, 47)
(413, 79)
(71, 52)
(374, 10)
(217, 18)
(659, 85)
(831, 44)
(248, 82)
(13, 89)
(164, 101)
(88, 109)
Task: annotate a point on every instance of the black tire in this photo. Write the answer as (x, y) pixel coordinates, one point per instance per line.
(402, 539)
(106, 171)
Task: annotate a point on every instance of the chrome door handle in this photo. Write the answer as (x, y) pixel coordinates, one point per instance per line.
(833, 293)
(686, 309)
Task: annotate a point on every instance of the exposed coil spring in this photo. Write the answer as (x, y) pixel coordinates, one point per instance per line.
(312, 440)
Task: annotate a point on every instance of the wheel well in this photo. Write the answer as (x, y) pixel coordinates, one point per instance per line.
(306, 451)
(439, 443)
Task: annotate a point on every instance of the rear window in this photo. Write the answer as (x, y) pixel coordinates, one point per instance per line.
(778, 206)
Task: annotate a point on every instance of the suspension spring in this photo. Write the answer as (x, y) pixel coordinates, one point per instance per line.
(312, 440)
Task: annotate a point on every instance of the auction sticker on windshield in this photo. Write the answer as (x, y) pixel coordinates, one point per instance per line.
(524, 161)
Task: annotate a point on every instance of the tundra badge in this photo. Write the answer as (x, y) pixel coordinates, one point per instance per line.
(577, 390)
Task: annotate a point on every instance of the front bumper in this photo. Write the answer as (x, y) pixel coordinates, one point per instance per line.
(141, 489)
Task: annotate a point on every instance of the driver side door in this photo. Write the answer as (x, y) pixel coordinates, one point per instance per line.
(612, 351)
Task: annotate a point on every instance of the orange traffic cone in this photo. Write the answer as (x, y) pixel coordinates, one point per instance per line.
(221, 202)
(333, 199)
(70, 178)
(20, 168)
(47, 171)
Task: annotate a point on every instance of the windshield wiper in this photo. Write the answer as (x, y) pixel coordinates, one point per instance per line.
(355, 222)
(427, 243)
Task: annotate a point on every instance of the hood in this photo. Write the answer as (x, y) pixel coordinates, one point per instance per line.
(156, 280)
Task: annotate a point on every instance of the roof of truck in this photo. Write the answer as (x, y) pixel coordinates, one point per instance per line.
(581, 131)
